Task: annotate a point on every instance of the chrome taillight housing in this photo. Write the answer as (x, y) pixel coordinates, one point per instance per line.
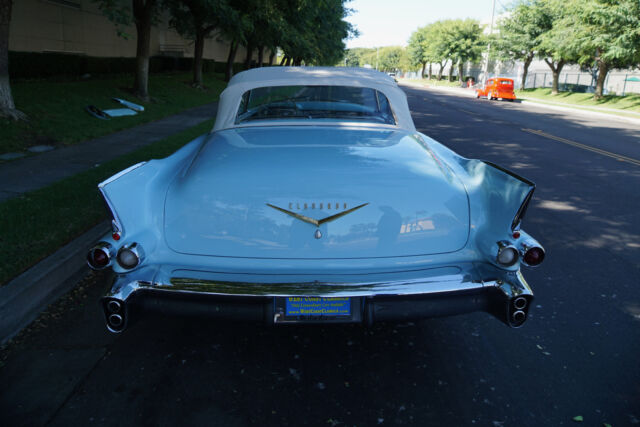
(507, 254)
(532, 254)
(130, 256)
(100, 256)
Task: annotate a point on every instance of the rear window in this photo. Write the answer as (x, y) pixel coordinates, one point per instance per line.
(506, 82)
(315, 103)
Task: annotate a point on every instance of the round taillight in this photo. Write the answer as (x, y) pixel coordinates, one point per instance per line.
(533, 256)
(130, 256)
(507, 256)
(99, 256)
(127, 258)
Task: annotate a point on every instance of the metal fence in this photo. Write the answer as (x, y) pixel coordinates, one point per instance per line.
(614, 84)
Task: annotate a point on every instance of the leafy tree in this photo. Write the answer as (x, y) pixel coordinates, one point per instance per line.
(553, 45)
(435, 51)
(197, 19)
(315, 31)
(392, 58)
(604, 32)
(145, 13)
(7, 106)
(520, 31)
(464, 42)
(234, 30)
(359, 56)
(417, 49)
(351, 58)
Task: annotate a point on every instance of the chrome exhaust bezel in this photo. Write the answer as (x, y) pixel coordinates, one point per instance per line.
(520, 306)
(518, 313)
(119, 320)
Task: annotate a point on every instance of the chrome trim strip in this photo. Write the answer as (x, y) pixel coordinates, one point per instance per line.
(119, 174)
(105, 247)
(113, 212)
(511, 285)
(316, 222)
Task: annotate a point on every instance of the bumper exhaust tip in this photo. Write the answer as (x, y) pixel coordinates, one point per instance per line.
(518, 318)
(113, 306)
(115, 321)
(520, 303)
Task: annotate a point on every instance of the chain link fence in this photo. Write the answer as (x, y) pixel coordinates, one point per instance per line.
(614, 84)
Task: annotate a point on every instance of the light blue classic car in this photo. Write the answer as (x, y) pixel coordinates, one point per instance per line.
(315, 200)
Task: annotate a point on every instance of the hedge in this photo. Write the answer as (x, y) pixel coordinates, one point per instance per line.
(29, 65)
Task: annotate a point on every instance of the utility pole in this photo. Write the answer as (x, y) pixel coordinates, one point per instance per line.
(486, 63)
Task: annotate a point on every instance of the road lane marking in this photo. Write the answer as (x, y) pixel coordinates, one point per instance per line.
(584, 147)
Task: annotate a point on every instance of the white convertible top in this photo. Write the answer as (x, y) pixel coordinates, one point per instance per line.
(310, 76)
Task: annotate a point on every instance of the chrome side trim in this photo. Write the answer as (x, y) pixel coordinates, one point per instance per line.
(116, 220)
(119, 174)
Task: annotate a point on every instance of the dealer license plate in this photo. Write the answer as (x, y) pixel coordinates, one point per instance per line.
(317, 306)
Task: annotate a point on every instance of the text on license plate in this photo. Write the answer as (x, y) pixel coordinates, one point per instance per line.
(318, 306)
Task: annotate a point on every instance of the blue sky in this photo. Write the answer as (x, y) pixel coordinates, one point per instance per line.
(391, 22)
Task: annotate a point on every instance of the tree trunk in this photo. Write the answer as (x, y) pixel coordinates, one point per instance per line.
(197, 58)
(603, 69)
(430, 71)
(555, 71)
(7, 107)
(272, 57)
(525, 71)
(451, 71)
(424, 64)
(233, 48)
(441, 70)
(460, 72)
(143, 14)
(249, 57)
(260, 55)
(283, 60)
(287, 62)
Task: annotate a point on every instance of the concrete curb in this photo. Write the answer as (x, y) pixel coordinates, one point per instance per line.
(585, 111)
(24, 297)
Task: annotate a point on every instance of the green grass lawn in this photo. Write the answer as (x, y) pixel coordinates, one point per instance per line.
(37, 223)
(56, 107)
(623, 103)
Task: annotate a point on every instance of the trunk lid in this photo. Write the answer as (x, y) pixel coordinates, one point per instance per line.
(246, 190)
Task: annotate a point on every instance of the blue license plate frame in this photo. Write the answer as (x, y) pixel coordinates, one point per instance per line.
(317, 306)
(311, 309)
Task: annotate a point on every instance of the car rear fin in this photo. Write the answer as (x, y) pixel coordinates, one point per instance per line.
(517, 219)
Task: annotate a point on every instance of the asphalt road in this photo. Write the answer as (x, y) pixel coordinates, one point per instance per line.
(578, 355)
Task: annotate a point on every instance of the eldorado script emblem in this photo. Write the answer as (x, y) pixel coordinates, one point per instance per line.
(316, 222)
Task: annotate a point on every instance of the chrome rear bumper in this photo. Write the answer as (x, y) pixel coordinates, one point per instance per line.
(439, 292)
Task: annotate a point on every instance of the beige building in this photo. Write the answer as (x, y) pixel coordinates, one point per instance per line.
(78, 27)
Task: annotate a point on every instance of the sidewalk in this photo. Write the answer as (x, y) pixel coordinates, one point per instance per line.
(31, 173)
(25, 296)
